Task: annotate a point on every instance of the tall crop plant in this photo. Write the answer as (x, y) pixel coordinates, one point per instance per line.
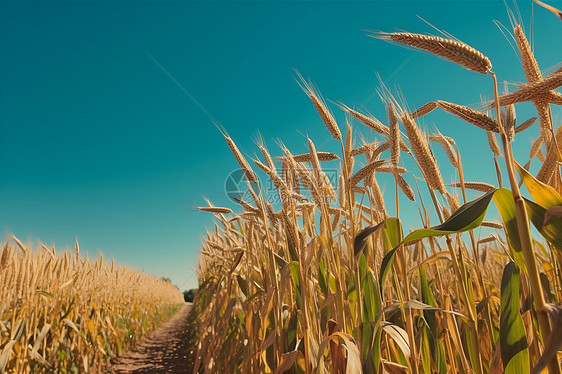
(327, 281)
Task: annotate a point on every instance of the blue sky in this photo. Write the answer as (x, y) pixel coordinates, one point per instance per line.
(98, 142)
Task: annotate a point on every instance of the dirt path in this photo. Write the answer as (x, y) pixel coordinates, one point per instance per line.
(165, 350)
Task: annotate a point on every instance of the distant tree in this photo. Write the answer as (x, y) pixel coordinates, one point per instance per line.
(166, 279)
(189, 295)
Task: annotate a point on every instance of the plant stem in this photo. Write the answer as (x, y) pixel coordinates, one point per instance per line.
(525, 233)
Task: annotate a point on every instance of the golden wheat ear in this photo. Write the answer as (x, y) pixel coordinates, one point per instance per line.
(320, 106)
(470, 115)
(452, 50)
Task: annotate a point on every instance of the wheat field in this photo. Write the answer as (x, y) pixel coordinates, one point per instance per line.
(65, 313)
(318, 276)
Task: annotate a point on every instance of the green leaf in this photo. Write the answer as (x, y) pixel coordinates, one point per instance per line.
(360, 242)
(371, 309)
(551, 232)
(392, 233)
(386, 263)
(292, 331)
(242, 284)
(294, 268)
(292, 250)
(542, 194)
(425, 350)
(322, 277)
(45, 293)
(392, 236)
(467, 217)
(506, 207)
(513, 341)
(431, 331)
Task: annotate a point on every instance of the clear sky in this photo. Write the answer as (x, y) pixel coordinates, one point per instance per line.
(105, 130)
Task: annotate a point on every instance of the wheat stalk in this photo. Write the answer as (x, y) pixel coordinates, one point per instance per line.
(394, 134)
(535, 147)
(477, 186)
(368, 121)
(392, 169)
(215, 209)
(322, 156)
(364, 172)
(424, 109)
(492, 224)
(508, 121)
(493, 143)
(470, 115)
(452, 50)
(546, 172)
(447, 146)
(528, 61)
(423, 154)
(525, 125)
(405, 187)
(250, 175)
(323, 111)
(532, 91)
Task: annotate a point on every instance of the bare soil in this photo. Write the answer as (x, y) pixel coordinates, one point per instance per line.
(168, 349)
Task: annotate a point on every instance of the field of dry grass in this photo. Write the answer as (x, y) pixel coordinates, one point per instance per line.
(326, 280)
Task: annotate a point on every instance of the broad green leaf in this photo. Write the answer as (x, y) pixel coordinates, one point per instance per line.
(506, 206)
(513, 341)
(292, 250)
(425, 350)
(545, 197)
(386, 263)
(322, 277)
(255, 296)
(242, 284)
(360, 242)
(371, 299)
(392, 233)
(371, 308)
(542, 194)
(431, 331)
(427, 298)
(467, 217)
(294, 268)
(551, 232)
(392, 236)
(292, 330)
